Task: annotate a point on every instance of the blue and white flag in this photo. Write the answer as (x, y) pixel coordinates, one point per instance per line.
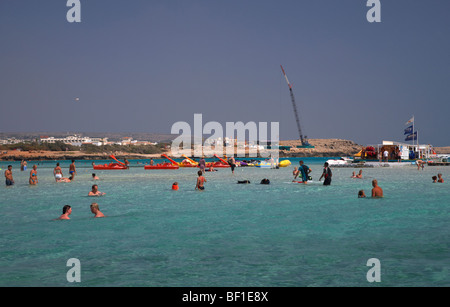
(409, 130)
(410, 121)
(411, 137)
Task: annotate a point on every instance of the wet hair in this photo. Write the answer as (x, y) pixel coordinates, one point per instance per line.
(199, 173)
(93, 175)
(360, 193)
(95, 206)
(244, 181)
(70, 178)
(175, 183)
(73, 161)
(434, 178)
(9, 166)
(94, 186)
(326, 164)
(57, 164)
(66, 208)
(265, 181)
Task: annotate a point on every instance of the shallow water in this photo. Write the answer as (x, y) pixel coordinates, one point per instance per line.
(282, 234)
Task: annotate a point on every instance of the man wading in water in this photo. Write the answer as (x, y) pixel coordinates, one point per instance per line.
(326, 174)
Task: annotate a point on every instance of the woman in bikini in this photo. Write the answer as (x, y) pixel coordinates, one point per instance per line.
(33, 176)
(200, 181)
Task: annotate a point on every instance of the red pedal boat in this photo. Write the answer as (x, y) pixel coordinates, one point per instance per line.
(109, 166)
(162, 166)
(166, 165)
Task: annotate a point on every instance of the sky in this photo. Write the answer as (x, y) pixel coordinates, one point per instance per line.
(143, 65)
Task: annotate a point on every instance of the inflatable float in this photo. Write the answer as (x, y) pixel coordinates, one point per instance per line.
(118, 165)
(284, 163)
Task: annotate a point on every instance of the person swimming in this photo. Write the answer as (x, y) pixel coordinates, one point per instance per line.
(94, 177)
(175, 186)
(243, 181)
(95, 209)
(265, 181)
(434, 179)
(65, 179)
(361, 194)
(67, 210)
(95, 191)
(440, 179)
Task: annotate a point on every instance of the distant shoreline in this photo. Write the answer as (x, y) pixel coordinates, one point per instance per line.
(322, 148)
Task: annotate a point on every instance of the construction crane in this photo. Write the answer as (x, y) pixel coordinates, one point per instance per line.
(302, 139)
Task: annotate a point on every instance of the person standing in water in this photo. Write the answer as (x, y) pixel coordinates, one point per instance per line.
(8, 176)
(377, 192)
(72, 169)
(202, 164)
(326, 174)
(57, 172)
(232, 163)
(304, 170)
(23, 165)
(200, 181)
(33, 176)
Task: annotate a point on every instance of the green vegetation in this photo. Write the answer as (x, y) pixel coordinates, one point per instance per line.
(137, 149)
(87, 148)
(35, 146)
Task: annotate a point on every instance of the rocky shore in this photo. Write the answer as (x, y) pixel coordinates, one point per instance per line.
(322, 148)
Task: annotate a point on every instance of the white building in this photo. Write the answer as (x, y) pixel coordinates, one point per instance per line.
(75, 140)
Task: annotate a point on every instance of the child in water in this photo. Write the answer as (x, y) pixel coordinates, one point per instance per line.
(361, 194)
(200, 181)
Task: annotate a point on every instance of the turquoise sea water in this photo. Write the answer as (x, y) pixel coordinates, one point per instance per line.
(282, 234)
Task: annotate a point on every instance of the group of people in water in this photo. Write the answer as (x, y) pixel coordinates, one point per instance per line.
(302, 171)
(438, 178)
(67, 210)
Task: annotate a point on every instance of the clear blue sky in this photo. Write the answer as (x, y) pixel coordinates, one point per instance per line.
(142, 65)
